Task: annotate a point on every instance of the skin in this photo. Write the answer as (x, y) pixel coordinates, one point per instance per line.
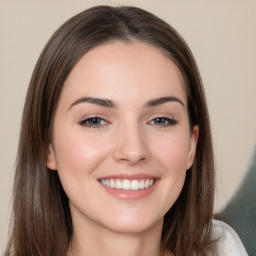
(127, 139)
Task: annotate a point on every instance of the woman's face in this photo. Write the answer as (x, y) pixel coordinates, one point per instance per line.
(121, 140)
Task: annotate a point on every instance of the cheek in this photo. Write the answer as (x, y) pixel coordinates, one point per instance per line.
(171, 154)
(78, 153)
(172, 151)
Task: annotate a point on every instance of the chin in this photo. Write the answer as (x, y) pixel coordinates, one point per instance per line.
(134, 225)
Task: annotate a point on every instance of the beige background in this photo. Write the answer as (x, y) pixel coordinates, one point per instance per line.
(222, 36)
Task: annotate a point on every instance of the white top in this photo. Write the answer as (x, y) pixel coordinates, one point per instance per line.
(229, 244)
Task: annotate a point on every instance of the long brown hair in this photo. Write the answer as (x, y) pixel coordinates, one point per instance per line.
(42, 223)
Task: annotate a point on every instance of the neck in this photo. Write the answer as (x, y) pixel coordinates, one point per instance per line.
(103, 242)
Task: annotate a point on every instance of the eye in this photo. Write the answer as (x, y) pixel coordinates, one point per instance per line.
(93, 122)
(163, 121)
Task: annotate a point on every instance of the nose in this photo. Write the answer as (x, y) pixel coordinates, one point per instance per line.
(131, 145)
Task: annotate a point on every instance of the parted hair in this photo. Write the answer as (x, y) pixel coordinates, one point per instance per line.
(41, 221)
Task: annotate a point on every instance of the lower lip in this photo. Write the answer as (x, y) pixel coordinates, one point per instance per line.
(131, 194)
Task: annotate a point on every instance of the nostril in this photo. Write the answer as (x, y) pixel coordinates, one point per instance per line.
(132, 158)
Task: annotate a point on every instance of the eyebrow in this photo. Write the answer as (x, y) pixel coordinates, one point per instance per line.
(162, 100)
(110, 104)
(97, 101)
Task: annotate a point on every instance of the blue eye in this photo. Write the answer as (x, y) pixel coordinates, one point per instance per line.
(93, 122)
(163, 121)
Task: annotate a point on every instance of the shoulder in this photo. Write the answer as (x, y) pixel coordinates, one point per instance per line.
(228, 243)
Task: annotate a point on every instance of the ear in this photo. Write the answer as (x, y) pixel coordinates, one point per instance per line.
(51, 160)
(192, 146)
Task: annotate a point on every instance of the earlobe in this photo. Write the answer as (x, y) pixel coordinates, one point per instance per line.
(51, 161)
(192, 146)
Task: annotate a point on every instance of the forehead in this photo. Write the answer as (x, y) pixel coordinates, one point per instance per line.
(132, 68)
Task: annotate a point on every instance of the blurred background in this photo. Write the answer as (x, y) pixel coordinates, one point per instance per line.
(222, 36)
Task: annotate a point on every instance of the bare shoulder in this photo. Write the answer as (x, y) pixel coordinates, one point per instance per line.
(228, 242)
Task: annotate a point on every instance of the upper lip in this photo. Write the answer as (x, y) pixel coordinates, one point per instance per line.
(128, 176)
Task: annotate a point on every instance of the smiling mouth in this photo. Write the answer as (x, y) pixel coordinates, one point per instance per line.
(125, 184)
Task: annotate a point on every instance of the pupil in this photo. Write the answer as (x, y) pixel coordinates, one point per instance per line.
(94, 120)
(160, 120)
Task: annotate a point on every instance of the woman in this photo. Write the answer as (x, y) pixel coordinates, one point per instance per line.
(115, 154)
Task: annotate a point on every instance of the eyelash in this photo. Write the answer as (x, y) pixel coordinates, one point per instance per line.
(97, 122)
(95, 119)
(167, 121)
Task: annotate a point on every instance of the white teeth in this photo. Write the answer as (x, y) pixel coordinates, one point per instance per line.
(147, 184)
(142, 184)
(112, 184)
(135, 185)
(118, 184)
(127, 184)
